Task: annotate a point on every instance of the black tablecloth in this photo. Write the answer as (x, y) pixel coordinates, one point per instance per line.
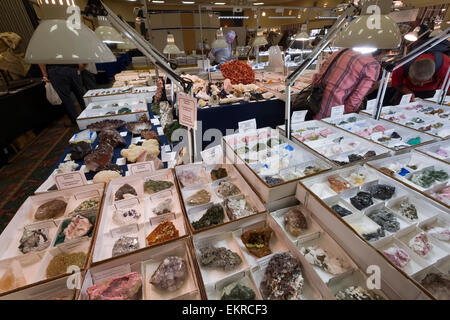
(268, 113)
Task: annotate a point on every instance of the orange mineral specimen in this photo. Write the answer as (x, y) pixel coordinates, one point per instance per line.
(165, 231)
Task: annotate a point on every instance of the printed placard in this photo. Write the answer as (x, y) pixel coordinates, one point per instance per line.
(167, 148)
(168, 156)
(140, 167)
(124, 133)
(41, 225)
(127, 203)
(70, 180)
(129, 229)
(160, 131)
(337, 112)
(187, 108)
(299, 116)
(155, 122)
(87, 194)
(161, 195)
(213, 155)
(406, 99)
(111, 273)
(72, 244)
(154, 221)
(248, 125)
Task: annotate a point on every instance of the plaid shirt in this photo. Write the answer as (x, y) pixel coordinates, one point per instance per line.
(348, 81)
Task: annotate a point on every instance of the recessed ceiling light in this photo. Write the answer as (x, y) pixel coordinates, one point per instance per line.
(219, 3)
(188, 2)
(258, 3)
(158, 1)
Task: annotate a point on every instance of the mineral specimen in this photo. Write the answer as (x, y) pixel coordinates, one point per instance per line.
(99, 158)
(420, 244)
(60, 263)
(355, 157)
(134, 152)
(126, 216)
(126, 287)
(239, 207)
(273, 181)
(319, 257)
(386, 219)
(295, 222)
(395, 135)
(165, 231)
(220, 258)
(86, 207)
(154, 186)
(438, 285)
(236, 291)
(227, 189)
(357, 293)
(106, 176)
(111, 137)
(34, 240)
(387, 171)
(213, 216)
(138, 127)
(428, 177)
(338, 185)
(257, 241)
(309, 170)
(149, 134)
(273, 142)
(220, 173)
(171, 274)
(199, 198)
(12, 277)
(381, 191)
(113, 167)
(283, 279)
(440, 233)
(398, 257)
(370, 233)
(408, 210)
(124, 245)
(79, 226)
(163, 208)
(125, 192)
(66, 167)
(368, 154)
(189, 178)
(50, 210)
(106, 124)
(361, 200)
(341, 210)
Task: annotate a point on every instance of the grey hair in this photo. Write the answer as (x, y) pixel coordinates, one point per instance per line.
(422, 70)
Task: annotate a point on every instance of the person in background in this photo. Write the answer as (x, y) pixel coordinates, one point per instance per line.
(65, 79)
(87, 74)
(422, 77)
(221, 55)
(348, 81)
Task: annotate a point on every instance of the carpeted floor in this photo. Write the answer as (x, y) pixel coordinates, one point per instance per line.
(30, 168)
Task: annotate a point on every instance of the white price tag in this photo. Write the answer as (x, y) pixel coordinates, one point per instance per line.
(248, 125)
(299, 116)
(213, 155)
(140, 167)
(160, 131)
(70, 180)
(167, 148)
(406, 99)
(337, 112)
(155, 122)
(124, 133)
(121, 161)
(168, 156)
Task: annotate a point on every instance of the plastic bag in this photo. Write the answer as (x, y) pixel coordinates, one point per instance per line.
(52, 95)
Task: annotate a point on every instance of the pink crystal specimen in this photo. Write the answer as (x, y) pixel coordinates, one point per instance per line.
(78, 227)
(324, 133)
(398, 257)
(420, 244)
(379, 128)
(118, 288)
(442, 234)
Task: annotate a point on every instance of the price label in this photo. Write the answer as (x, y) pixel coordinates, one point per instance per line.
(70, 180)
(127, 203)
(155, 122)
(140, 167)
(125, 230)
(337, 112)
(160, 131)
(187, 108)
(111, 273)
(406, 99)
(154, 221)
(299, 116)
(213, 155)
(248, 125)
(168, 156)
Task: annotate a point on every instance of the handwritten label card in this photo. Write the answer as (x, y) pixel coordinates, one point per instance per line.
(337, 112)
(248, 125)
(187, 107)
(299, 116)
(70, 180)
(140, 167)
(213, 155)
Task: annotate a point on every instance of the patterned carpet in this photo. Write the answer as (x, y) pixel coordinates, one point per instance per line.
(30, 169)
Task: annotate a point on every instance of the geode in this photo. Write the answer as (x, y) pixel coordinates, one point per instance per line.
(213, 216)
(237, 291)
(50, 210)
(124, 245)
(152, 186)
(295, 222)
(386, 219)
(171, 274)
(283, 279)
(106, 124)
(381, 191)
(438, 285)
(34, 240)
(357, 293)
(79, 150)
(361, 200)
(125, 192)
(199, 198)
(124, 287)
(341, 210)
(227, 189)
(165, 231)
(111, 137)
(220, 258)
(257, 241)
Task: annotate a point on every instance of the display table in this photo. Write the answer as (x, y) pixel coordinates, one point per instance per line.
(113, 68)
(268, 113)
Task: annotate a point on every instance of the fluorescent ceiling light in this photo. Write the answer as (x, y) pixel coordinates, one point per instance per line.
(258, 3)
(365, 50)
(233, 17)
(219, 3)
(282, 17)
(188, 2)
(158, 1)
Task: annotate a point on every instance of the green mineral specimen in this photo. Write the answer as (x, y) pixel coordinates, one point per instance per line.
(414, 141)
(236, 291)
(124, 110)
(439, 175)
(155, 109)
(152, 186)
(352, 119)
(219, 174)
(213, 216)
(272, 142)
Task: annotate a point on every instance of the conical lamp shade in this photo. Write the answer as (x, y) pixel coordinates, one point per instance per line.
(260, 40)
(358, 34)
(108, 34)
(171, 47)
(54, 42)
(126, 45)
(302, 36)
(220, 41)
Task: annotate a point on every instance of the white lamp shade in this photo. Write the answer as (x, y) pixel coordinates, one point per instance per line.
(220, 41)
(359, 34)
(54, 43)
(302, 36)
(126, 45)
(171, 47)
(260, 40)
(108, 34)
